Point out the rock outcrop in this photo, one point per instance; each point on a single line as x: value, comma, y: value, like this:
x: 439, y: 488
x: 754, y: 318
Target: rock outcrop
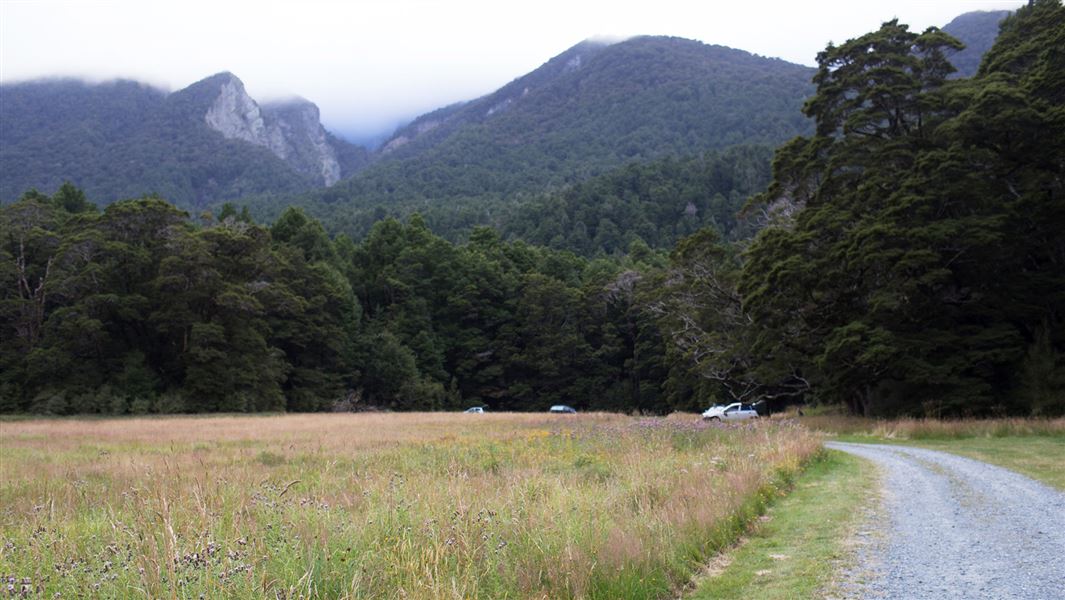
x: 291, y: 130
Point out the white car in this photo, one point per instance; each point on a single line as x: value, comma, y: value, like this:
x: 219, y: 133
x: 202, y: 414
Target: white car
x: 475, y: 410
x: 732, y: 412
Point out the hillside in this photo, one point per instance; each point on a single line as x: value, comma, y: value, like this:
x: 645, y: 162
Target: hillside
x: 200, y: 145
x: 593, y: 107
x: 657, y: 203
x: 977, y: 30
x: 585, y: 112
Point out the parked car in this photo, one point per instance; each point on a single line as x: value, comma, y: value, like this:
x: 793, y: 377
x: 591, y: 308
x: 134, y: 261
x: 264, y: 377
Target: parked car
x: 563, y: 409
x: 733, y: 412
x: 476, y: 410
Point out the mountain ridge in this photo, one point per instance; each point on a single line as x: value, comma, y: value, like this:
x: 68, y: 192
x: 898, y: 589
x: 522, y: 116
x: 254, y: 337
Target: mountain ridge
x: 594, y: 107
x: 199, y: 145
x: 585, y: 111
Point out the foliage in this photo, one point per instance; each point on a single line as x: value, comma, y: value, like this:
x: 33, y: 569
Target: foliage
x: 655, y: 204
x: 916, y: 256
x: 137, y: 309
x: 634, y: 207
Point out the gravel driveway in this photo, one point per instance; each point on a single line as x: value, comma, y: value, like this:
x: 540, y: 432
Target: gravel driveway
x: 952, y: 527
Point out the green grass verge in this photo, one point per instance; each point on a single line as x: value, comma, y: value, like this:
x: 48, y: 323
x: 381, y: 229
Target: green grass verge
x: 791, y: 554
x: 1039, y: 457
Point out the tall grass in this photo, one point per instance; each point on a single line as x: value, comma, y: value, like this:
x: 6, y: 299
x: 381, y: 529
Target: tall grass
x: 935, y: 429
x: 382, y: 506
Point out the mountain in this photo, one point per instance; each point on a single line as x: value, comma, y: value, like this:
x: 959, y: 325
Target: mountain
x: 587, y: 111
x: 592, y: 108
x: 977, y: 30
x: 200, y: 145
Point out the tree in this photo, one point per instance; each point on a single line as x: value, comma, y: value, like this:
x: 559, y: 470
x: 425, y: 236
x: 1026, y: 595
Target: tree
x: 899, y: 268
x: 699, y: 306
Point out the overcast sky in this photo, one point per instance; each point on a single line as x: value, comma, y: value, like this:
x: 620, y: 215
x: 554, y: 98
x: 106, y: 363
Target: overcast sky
x: 370, y: 64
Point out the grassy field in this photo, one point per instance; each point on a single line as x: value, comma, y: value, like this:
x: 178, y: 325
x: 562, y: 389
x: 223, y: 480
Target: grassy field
x: 1035, y: 447
x: 791, y: 553
x: 382, y: 506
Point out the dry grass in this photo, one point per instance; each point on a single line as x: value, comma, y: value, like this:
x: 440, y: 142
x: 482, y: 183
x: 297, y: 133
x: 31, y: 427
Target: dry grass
x: 1034, y: 447
x: 379, y: 505
x: 920, y: 429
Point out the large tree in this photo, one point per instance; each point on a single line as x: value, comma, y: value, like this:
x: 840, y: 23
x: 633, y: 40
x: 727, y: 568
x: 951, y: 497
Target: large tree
x: 912, y: 259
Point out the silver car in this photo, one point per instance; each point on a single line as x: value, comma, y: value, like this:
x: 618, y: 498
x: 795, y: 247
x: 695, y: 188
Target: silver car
x: 736, y: 411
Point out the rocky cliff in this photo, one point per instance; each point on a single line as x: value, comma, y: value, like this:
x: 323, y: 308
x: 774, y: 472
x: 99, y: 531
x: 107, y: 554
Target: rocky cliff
x: 291, y: 130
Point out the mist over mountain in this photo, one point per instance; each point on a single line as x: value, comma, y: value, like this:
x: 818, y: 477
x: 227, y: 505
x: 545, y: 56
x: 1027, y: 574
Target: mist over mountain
x: 200, y: 145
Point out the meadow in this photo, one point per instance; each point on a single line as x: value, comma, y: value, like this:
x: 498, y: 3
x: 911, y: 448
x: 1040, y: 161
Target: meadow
x: 381, y: 505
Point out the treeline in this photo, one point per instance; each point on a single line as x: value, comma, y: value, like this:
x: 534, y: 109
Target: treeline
x: 138, y: 309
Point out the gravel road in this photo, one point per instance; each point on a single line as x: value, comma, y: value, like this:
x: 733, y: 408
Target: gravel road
x: 952, y: 527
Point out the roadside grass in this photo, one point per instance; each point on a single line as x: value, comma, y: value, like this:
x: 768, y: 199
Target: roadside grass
x: 795, y: 551
x: 382, y: 506
x: 934, y: 429
x: 1034, y: 447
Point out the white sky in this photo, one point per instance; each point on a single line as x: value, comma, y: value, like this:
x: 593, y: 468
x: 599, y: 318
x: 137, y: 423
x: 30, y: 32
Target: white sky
x: 370, y: 64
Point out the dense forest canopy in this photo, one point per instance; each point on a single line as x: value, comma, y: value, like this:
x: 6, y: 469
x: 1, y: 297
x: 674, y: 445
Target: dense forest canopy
x: 654, y: 203
x: 138, y: 309
x: 906, y: 257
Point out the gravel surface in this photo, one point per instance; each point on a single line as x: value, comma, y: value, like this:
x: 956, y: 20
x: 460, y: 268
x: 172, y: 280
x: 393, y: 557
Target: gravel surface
x: 952, y: 527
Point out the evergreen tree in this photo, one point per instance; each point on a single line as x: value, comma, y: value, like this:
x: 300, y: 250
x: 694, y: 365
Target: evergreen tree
x: 906, y: 271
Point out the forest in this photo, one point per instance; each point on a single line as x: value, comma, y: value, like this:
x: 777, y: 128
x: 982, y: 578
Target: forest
x: 906, y: 258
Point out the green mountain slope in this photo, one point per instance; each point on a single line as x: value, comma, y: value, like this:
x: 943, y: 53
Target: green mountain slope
x: 584, y: 113
x: 124, y: 139
x: 656, y: 203
x: 977, y: 30
x: 590, y: 109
